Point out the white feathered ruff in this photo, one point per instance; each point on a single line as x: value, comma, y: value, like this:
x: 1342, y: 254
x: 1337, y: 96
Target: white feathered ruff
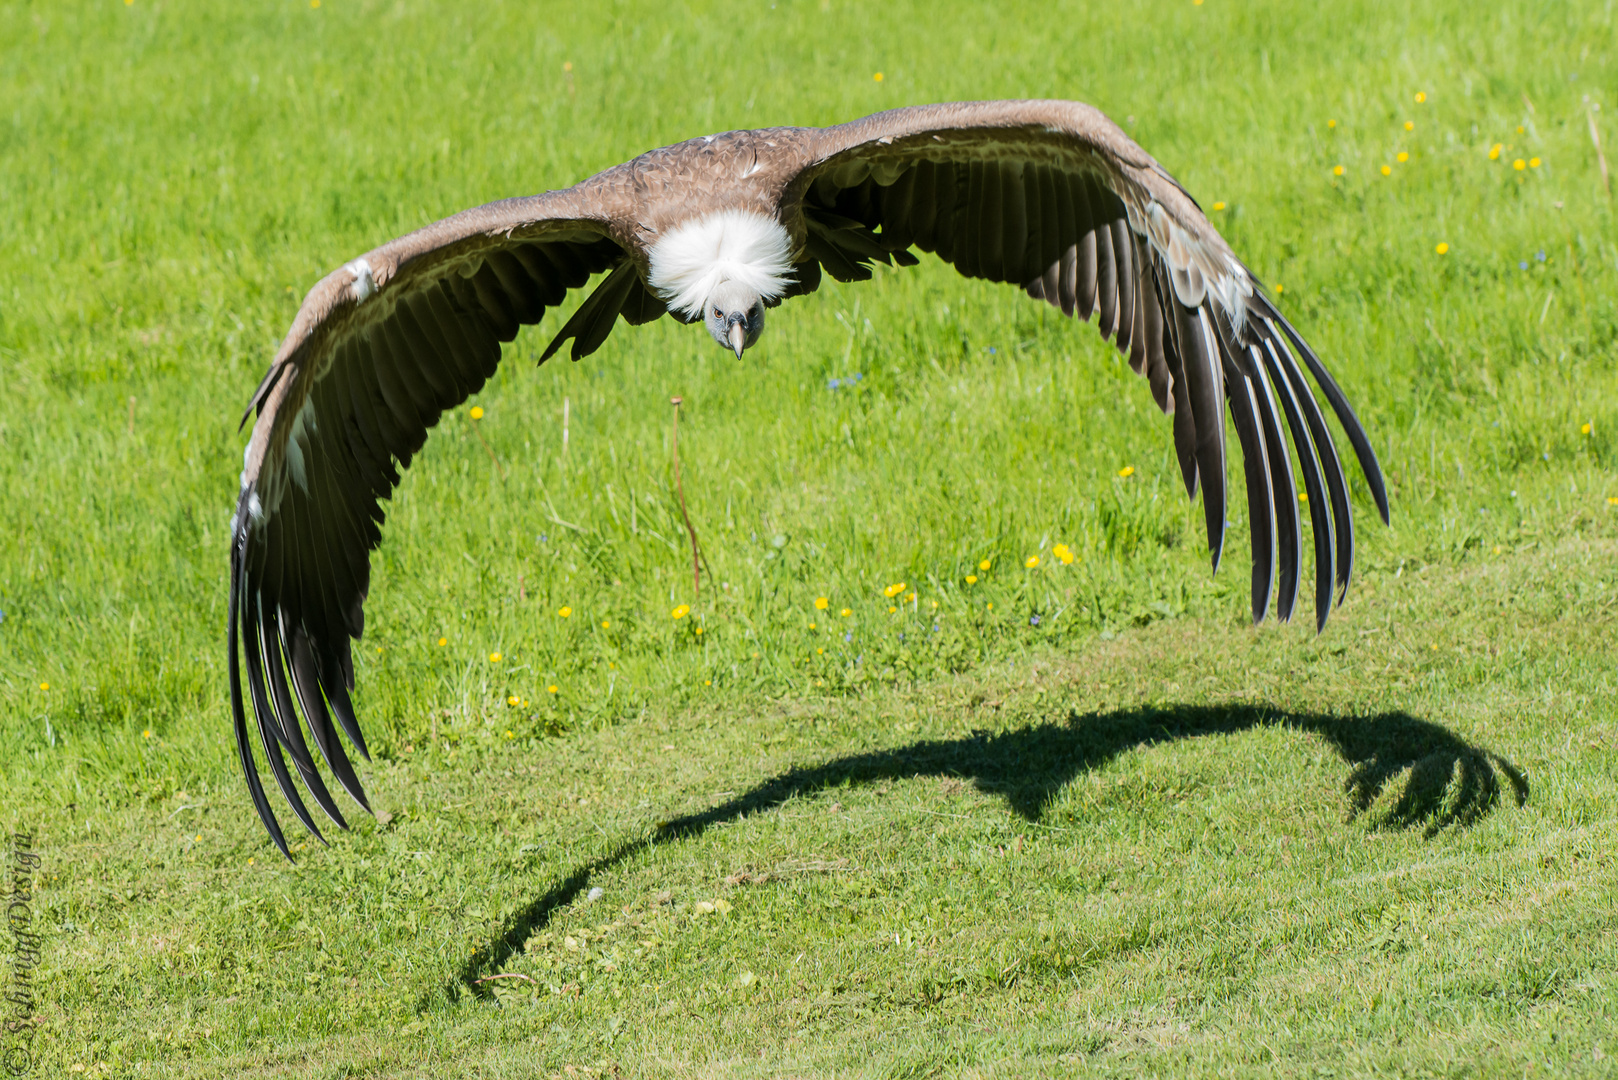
x: 731, y: 245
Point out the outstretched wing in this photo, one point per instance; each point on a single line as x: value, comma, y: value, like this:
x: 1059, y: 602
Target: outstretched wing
x: 1054, y: 197
x: 380, y: 348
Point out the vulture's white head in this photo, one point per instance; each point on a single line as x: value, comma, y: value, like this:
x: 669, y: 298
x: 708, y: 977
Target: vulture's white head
x: 734, y: 315
x: 723, y: 267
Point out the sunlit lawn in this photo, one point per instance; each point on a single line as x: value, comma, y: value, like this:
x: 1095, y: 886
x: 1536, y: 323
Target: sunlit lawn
x: 1026, y: 794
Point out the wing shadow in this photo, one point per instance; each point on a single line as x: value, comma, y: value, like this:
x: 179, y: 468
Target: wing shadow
x: 1447, y: 782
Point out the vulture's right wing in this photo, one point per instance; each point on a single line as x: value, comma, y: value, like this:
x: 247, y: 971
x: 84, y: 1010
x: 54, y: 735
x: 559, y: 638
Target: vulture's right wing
x: 380, y: 348
x: 1055, y: 198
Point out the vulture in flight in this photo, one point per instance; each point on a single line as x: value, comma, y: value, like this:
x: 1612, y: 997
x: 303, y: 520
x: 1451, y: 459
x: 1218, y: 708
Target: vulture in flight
x: 1049, y: 196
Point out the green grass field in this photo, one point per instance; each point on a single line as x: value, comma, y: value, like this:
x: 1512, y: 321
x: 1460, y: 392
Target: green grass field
x: 1139, y: 837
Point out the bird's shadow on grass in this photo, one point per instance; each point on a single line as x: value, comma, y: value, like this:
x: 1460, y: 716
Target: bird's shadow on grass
x: 1432, y: 778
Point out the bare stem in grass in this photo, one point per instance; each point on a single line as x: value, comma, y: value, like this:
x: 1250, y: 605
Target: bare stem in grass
x: 132, y: 397
x: 504, y: 975
x: 487, y: 448
x: 679, y: 489
x: 1601, y: 159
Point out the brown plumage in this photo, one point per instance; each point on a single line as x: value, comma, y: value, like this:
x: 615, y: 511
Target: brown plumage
x: 1050, y: 196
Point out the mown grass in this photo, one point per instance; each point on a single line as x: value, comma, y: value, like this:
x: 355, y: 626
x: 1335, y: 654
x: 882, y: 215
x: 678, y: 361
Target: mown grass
x: 1132, y: 836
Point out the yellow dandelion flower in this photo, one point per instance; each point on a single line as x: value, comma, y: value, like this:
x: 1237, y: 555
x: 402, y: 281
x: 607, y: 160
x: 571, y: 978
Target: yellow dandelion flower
x: 1331, y: 123
x: 44, y: 686
x: 1337, y: 170
x: 1279, y: 289
x: 1519, y: 164
x: 911, y: 599
x: 877, y: 77
x: 314, y: 3
x: 971, y: 579
x: 680, y: 612
x: 1494, y: 152
x: 984, y: 565
x: 1420, y: 97
x: 477, y: 412
x: 494, y: 658
x: 1585, y: 430
x: 509, y: 735
x: 1219, y: 206
x: 846, y: 612
x: 1303, y: 496
x: 820, y: 651
x: 699, y: 629
x: 512, y: 700
x: 891, y: 609
x: 1410, y: 125
x: 1533, y: 163
x: 1442, y: 249
x: 821, y: 603
x: 1387, y: 170
x: 147, y: 734
x: 1127, y: 471
x: 250, y: 860
x: 1402, y: 157
x: 606, y: 623
x: 1519, y: 129
x: 707, y: 682
x: 1031, y: 562
x: 551, y: 689
x: 1612, y: 500
x: 893, y: 590
x: 565, y: 612
x: 442, y: 642
x: 990, y: 605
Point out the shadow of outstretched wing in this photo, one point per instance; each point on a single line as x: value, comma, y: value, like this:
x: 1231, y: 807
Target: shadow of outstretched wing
x: 1445, y: 781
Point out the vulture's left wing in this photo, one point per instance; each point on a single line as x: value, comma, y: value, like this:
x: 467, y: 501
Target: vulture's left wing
x: 379, y: 349
x: 1055, y: 198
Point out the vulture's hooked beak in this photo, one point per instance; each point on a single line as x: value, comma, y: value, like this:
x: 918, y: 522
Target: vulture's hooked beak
x: 737, y: 336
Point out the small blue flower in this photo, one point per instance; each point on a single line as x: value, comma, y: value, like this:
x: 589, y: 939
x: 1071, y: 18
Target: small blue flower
x: 858, y: 376
x: 543, y: 538
x: 1540, y: 255
x: 849, y: 636
x: 1033, y: 620
x: 935, y: 628
x: 991, y: 350
x: 832, y: 384
x: 1523, y: 265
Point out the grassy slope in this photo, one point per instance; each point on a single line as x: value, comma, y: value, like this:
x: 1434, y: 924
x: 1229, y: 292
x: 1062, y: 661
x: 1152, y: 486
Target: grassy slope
x: 186, y: 172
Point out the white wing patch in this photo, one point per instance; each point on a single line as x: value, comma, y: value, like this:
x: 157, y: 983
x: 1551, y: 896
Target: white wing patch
x: 364, y: 286
x: 694, y: 259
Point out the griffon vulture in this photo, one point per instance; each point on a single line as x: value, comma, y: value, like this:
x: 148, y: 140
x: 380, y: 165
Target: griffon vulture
x: 1049, y: 196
